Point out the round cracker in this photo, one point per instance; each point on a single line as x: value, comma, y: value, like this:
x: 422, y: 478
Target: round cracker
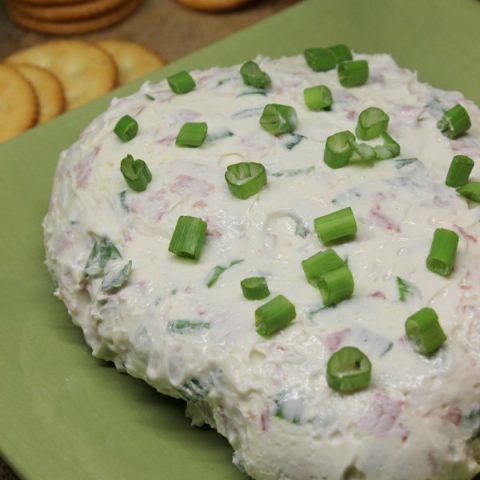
x: 75, y: 27
x: 214, y: 5
x: 84, y: 69
x: 66, y: 12
x: 49, y: 90
x: 18, y: 103
x: 133, y: 59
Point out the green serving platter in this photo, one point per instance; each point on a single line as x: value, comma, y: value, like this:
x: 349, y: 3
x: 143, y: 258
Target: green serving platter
x: 65, y: 415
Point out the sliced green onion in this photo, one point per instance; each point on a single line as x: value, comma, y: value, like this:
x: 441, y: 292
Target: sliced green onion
x: 389, y: 149
x: 278, y: 119
x: 245, y: 179
x: 443, y: 251
x: 192, y: 134
x: 188, y: 237
x: 403, y: 289
x: 338, y: 149
x: 455, y: 122
x: 319, y: 264
x: 424, y: 330
x: 459, y: 171
x: 254, y: 76
x: 336, y: 225
x: 126, y: 128
x: 186, y: 326
x: 342, y: 52
x: 181, y: 82
x: 320, y: 59
x: 113, y: 282
x: 102, y: 252
x: 217, y: 271
x: 274, y: 316
x: 348, y: 370
x: 372, y: 122
x: 255, y: 288
x: 471, y: 191
x: 318, y: 98
x: 336, y: 285
x: 362, y: 151
x: 353, y: 74
x: 136, y: 173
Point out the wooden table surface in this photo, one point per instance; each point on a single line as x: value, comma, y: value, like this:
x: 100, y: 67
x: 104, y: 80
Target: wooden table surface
x: 164, y: 25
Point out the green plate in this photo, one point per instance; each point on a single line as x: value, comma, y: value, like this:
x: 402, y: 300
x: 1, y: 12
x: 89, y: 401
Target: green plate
x: 65, y: 415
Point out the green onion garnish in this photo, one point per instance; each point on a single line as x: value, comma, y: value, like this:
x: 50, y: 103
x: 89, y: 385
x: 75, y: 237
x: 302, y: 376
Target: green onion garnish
x: 424, y: 330
x: 126, y: 128
x: 353, y: 73
x: 192, y: 134
x: 255, y: 288
x: 254, y: 76
x: 455, y: 122
x: 372, y: 122
x: 103, y: 250
x: 362, y: 151
x: 112, y: 283
x: 320, y: 59
x: 471, y: 191
x: 245, y: 179
x: 186, y: 326
x: 442, y: 252
x: 342, y: 52
x: 278, y: 119
x: 403, y: 289
x: 217, y: 271
x: 336, y: 285
x: 389, y: 149
x: 348, y: 370
x: 181, y: 82
x: 274, y: 316
x: 188, y: 237
x: 338, y: 149
x: 319, y: 264
x: 318, y: 98
x: 335, y: 226
x: 459, y: 171
x: 136, y: 173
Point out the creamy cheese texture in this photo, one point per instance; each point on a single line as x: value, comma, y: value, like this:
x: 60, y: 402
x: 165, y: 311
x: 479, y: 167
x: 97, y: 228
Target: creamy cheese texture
x: 420, y: 417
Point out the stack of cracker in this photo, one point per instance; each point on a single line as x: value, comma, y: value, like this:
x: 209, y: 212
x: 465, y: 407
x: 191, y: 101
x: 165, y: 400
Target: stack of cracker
x: 40, y: 82
x: 69, y: 17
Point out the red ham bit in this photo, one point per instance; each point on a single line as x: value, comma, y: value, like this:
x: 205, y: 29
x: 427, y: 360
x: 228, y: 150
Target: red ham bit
x: 453, y: 414
x: 83, y: 169
x: 382, y: 220
x: 199, y: 204
x: 184, y: 184
x: 378, y: 294
x: 382, y: 414
x: 467, y: 236
x: 264, y: 421
x: 335, y: 339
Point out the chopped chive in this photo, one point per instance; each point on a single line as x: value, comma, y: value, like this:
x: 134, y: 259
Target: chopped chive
x: 274, y: 315
x: 424, y: 330
x: 459, y: 171
x: 319, y: 264
x: 123, y: 201
x: 348, y: 370
x: 136, y: 173
x: 255, y: 288
x: 186, y: 326
x: 338, y: 149
x: 113, y: 282
x: 126, y: 128
x: 372, y: 122
x: 192, y: 134
x: 336, y: 285
x: 318, y: 98
x: 353, y: 73
x: 254, y: 76
x: 389, y: 149
x: 443, y: 251
x: 342, y: 52
x: 188, y: 237
x: 336, y: 225
x: 278, y: 119
x: 215, y: 273
x: 320, y: 59
x: 102, y: 252
x: 454, y: 122
x: 294, y: 172
x: 149, y: 97
x: 181, y: 82
x: 403, y: 289
x: 245, y: 179
x: 471, y: 191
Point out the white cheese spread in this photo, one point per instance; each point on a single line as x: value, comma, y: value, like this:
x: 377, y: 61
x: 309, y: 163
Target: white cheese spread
x: 420, y: 417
